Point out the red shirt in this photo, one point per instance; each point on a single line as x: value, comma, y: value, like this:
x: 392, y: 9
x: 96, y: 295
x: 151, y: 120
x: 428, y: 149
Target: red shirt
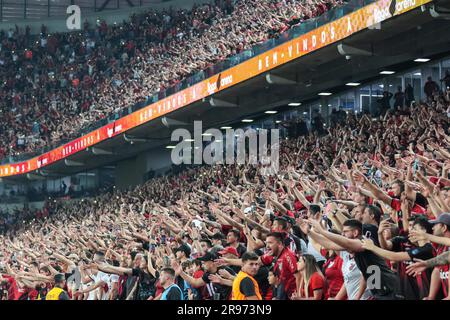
x: 11, y: 286
x: 298, y: 205
x: 33, y: 294
x: 396, y: 204
x: 286, y: 264
x: 417, y: 209
x: 315, y: 283
x: 443, y: 271
x: 159, y: 289
x: 333, y: 273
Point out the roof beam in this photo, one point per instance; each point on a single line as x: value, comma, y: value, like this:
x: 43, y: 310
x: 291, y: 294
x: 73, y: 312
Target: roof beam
x: 132, y: 139
x: 346, y: 50
x: 103, y: 6
x: 274, y: 79
x: 31, y: 176
x: 169, y: 122
x: 71, y: 163
x: 100, y: 152
x: 213, y: 102
x: 439, y: 12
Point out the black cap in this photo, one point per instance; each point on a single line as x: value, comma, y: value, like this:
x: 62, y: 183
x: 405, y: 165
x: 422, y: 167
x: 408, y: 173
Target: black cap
x: 285, y: 218
x: 59, y: 278
x: 208, y: 257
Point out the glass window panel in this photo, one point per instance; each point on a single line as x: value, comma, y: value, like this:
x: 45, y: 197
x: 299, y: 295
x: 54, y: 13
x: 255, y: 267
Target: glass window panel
x: 446, y: 72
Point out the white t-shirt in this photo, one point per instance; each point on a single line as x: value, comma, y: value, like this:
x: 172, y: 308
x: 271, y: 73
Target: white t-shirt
x: 98, y: 293
x: 112, y: 278
x: 352, y: 277
x: 311, y: 250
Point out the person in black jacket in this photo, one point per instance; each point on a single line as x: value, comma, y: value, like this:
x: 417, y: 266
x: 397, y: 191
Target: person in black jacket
x: 385, y: 101
x: 409, y: 95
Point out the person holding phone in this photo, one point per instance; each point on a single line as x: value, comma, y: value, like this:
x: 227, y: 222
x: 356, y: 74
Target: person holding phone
x: 403, y: 252
x: 371, y: 218
x: 387, y: 286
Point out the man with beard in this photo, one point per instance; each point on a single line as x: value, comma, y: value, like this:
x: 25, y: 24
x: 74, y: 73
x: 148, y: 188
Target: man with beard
x: 281, y: 258
x: 388, y: 287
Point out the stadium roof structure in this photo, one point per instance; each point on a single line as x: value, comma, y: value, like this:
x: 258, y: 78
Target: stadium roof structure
x: 14, y: 10
x: 277, y: 78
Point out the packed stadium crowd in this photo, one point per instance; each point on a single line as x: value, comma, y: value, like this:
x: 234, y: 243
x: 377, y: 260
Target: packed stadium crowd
x: 89, y: 75
x: 357, y: 210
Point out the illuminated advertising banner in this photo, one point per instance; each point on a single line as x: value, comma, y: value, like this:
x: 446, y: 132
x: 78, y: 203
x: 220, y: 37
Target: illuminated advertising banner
x: 327, y: 34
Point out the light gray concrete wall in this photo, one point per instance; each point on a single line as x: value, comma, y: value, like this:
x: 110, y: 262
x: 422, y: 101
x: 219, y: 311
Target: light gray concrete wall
x: 11, y: 206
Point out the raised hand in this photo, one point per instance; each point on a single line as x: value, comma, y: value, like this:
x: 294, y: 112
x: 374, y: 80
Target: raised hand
x: 416, y: 268
x: 225, y: 274
x: 214, y: 278
x: 416, y: 235
x: 303, y: 224
x: 315, y: 224
x: 368, y: 244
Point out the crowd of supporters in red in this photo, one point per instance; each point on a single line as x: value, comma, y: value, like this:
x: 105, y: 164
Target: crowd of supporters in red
x: 89, y: 75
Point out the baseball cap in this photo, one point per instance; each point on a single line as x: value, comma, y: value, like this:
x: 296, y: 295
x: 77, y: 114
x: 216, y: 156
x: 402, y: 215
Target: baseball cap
x: 230, y: 250
x: 59, y: 278
x: 208, y: 257
x: 288, y: 219
x: 443, y: 218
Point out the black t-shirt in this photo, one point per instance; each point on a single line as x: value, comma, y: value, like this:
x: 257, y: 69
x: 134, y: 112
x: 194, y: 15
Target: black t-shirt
x: 293, y: 242
x: 174, y: 294
x: 278, y: 292
x: 236, y: 269
x: 241, y: 249
x: 413, y: 288
x: 179, y: 281
x: 372, y: 265
x: 146, y: 245
x: 421, y: 200
x: 127, y: 284
x: 262, y: 277
x: 146, y: 284
x: 371, y: 231
x: 212, y: 288
x: 247, y: 287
